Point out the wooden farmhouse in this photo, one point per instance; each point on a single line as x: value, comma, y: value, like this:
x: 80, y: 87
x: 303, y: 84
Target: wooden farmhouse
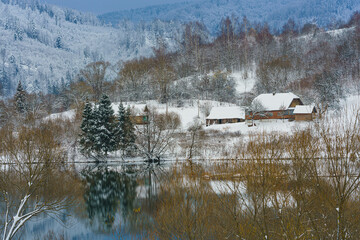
x: 222, y: 115
x: 273, y: 106
x: 305, y: 112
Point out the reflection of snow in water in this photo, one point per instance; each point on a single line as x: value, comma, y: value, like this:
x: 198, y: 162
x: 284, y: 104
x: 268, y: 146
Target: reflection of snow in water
x: 279, y: 201
x: 117, y: 201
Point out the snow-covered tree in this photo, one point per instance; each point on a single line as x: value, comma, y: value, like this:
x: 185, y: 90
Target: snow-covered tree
x: 130, y: 137
x: 88, y: 130
x: 125, y: 131
x: 328, y: 89
x: 58, y: 42
x: 20, y: 99
x: 119, y: 132
x: 104, y: 140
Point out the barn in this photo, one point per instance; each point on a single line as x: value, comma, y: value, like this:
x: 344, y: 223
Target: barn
x: 222, y: 115
x: 273, y: 106
x: 305, y: 113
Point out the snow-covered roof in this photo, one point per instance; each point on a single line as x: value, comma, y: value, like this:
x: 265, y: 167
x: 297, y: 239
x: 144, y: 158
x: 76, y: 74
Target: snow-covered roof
x: 304, y: 109
x: 275, y: 101
x: 226, y: 113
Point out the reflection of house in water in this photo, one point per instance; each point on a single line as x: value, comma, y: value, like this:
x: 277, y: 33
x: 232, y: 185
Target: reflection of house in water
x: 222, y: 115
x: 275, y: 106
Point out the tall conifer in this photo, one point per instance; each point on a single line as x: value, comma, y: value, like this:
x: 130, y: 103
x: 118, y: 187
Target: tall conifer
x: 120, y: 127
x: 105, y: 125
x: 20, y: 99
x: 125, y: 131
x: 88, y: 130
x: 129, y: 138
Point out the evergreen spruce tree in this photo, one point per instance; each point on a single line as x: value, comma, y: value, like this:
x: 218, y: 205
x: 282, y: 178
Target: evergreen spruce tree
x: 120, y: 127
x: 125, y: 131
x: 20, y: 99
x: 88, y: 130
x: 104, y: 139
x: 129, y: 130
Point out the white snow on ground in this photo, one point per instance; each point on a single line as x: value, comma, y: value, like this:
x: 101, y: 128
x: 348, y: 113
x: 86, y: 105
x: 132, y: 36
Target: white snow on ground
x: 351, y: 102
x: 244, y: 84
x: 190, y: 111
x: 339, y: 32
x: 68, y: 115
x: 187, y: 114
x: 261, y: 126
x: 349, y: 108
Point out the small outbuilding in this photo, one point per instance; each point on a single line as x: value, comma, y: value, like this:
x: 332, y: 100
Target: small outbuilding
x: 305, y: 112
x: 222, y: 115
x: 139, y: 119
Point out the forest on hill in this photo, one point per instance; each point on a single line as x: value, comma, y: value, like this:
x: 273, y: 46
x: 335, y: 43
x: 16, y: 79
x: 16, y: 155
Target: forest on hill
x: 320, y: 66
x: 274, y: 12
x: 46, y: 46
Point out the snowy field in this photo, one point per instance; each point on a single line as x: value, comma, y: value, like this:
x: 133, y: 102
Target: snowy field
x: 244, y: 84
x: 196, y: 109
x: 67, y: 115
x: 283, y: 126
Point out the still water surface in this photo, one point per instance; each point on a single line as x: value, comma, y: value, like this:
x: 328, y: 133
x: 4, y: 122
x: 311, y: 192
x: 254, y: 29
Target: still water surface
x: 116, y: 201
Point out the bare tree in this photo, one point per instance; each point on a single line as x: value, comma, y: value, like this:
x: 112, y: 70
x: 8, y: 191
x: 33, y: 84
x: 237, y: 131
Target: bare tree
x: 196, y: 138
x: 256, y: 110
x: 32, y: 159
x: 133, y: 79
x: 156, y: 135
x: 340, y: 144
x: 35, y: 108
x: 78, y: 93
x: 163, y: 72
x: 94, y: 74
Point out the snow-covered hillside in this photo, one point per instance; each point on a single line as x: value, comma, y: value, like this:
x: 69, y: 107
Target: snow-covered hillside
x: 45, y: 50
x: 245, y: 81
x: 275, y: 12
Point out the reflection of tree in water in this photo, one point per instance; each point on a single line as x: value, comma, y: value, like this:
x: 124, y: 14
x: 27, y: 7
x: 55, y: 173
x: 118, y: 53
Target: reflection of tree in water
x: 122, y: 200
x: 106, y: 190
x: 128, y: 192
x: 152, y: 178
